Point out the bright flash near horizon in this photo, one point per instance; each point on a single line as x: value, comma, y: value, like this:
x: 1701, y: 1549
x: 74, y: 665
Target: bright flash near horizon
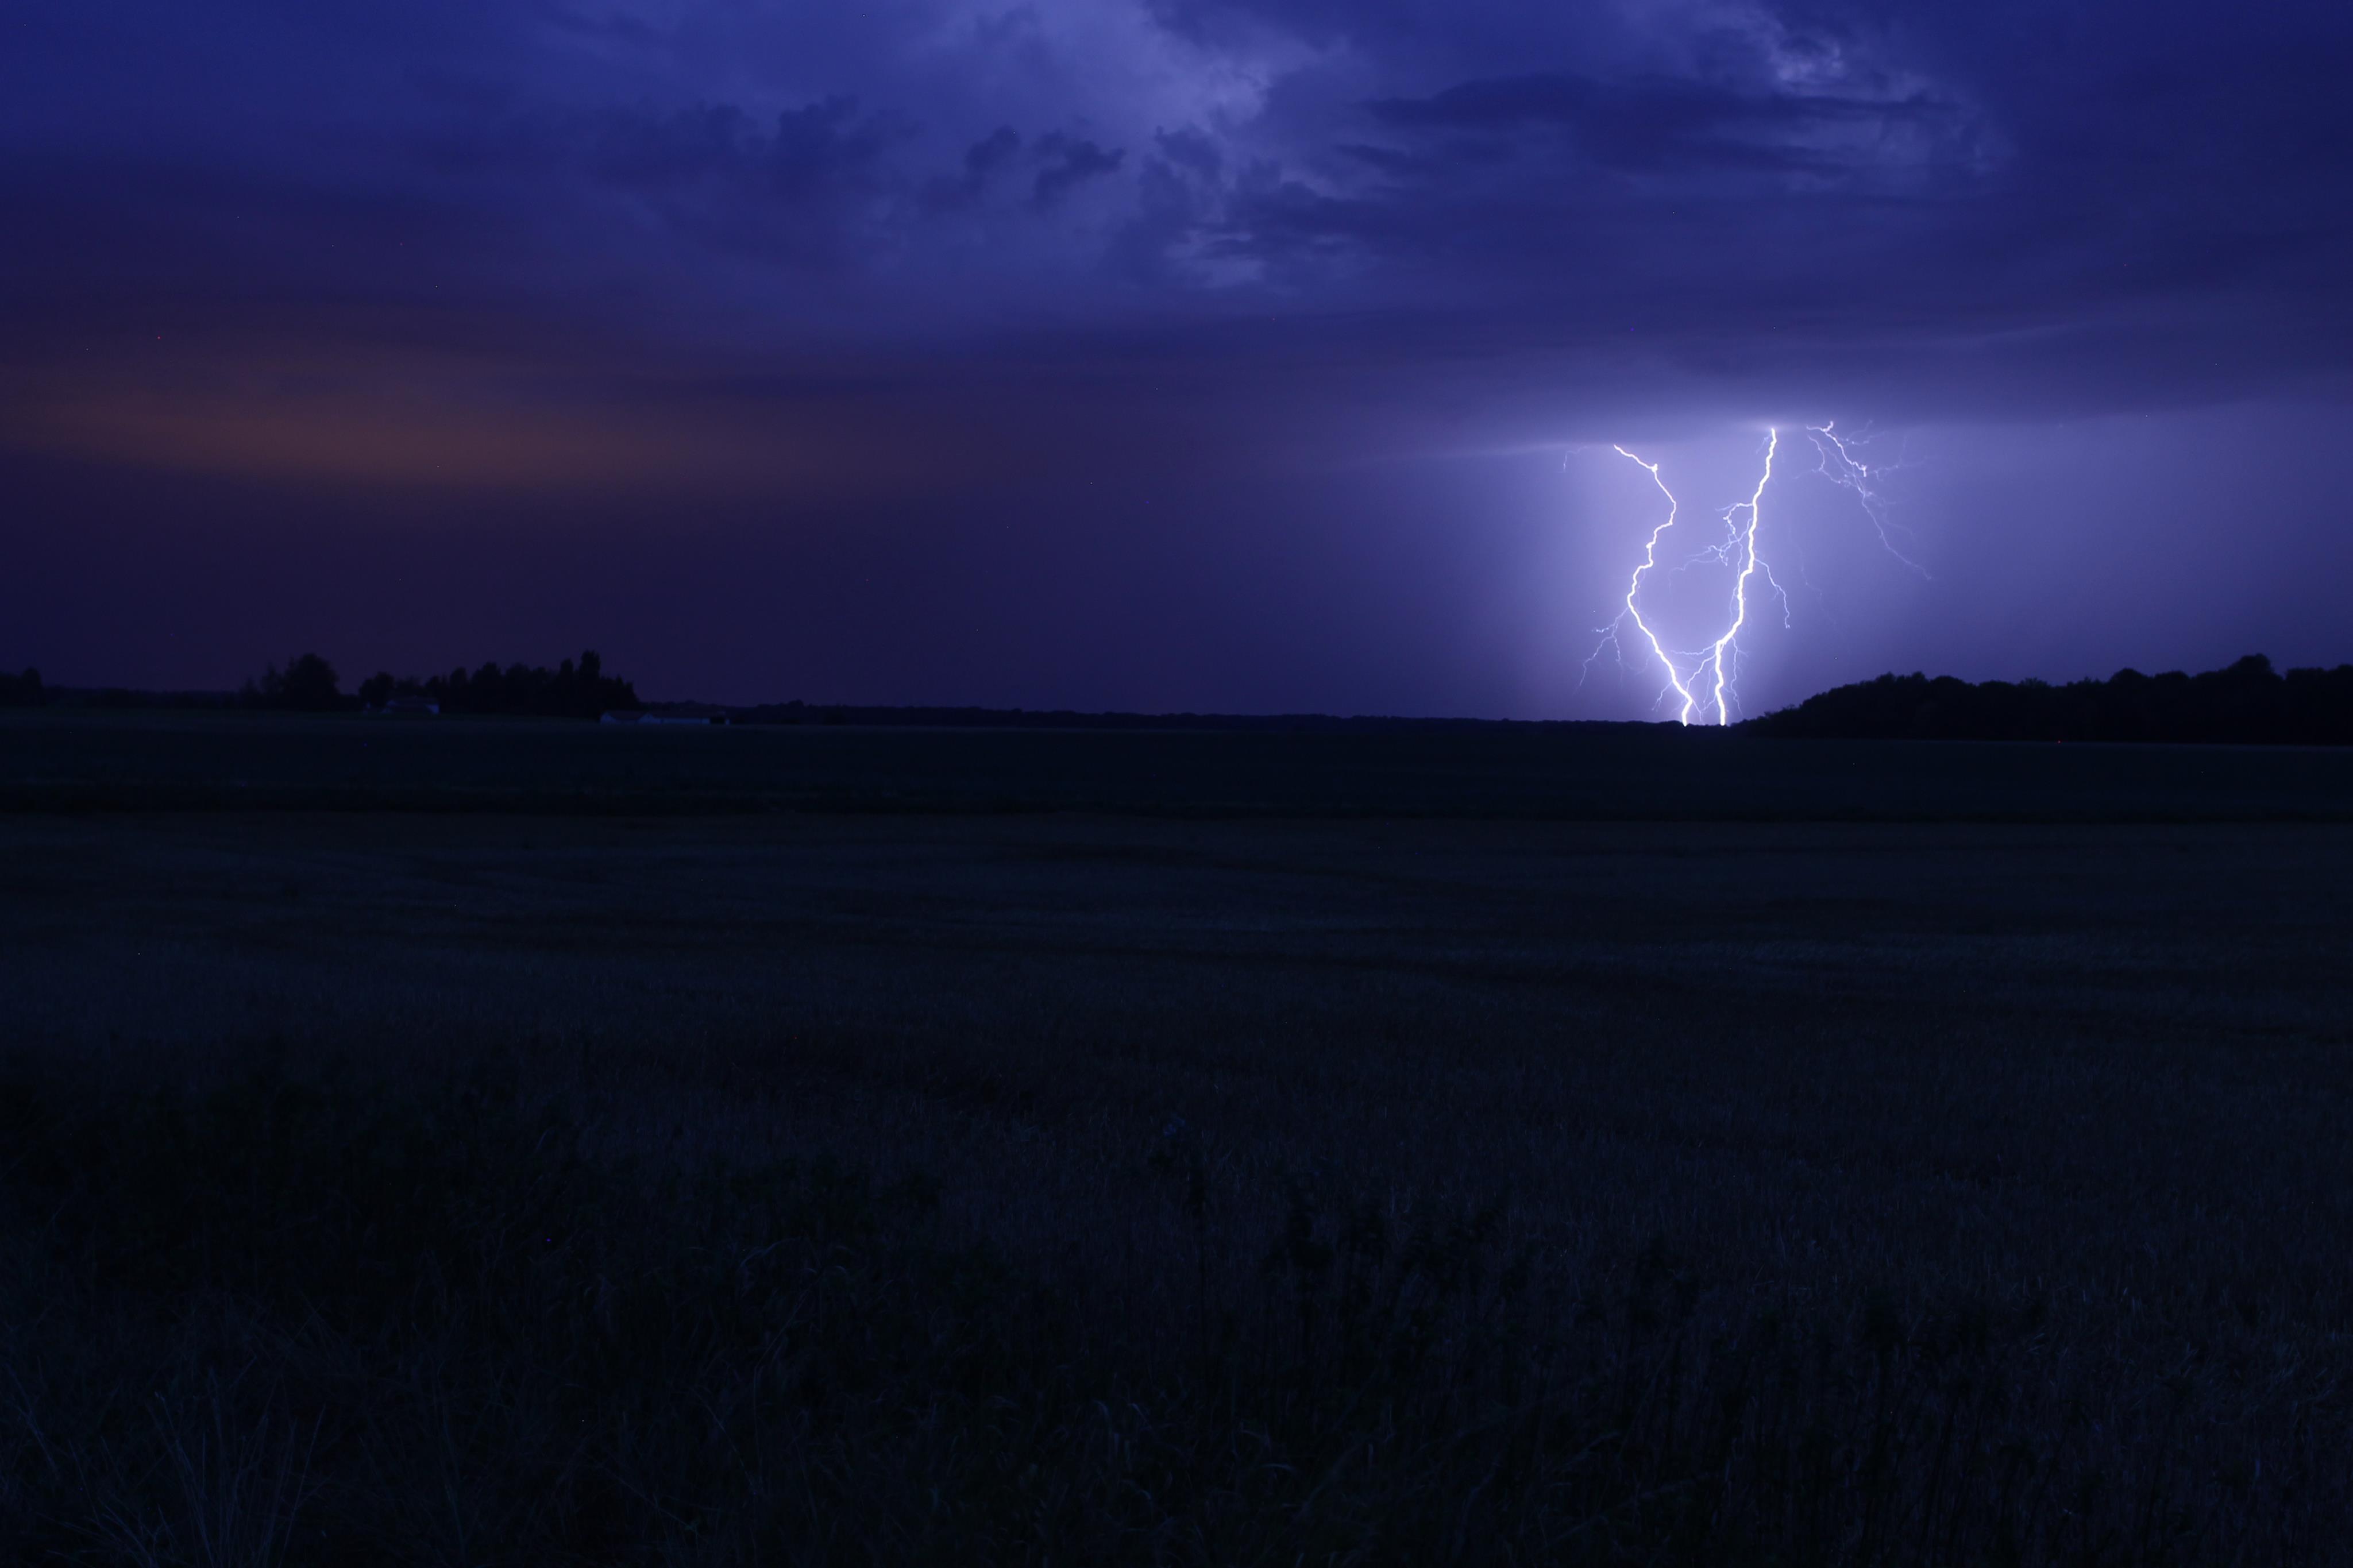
x: 1705, y: 679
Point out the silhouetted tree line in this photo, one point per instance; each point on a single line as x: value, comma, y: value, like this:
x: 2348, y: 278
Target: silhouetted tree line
x: 581, y: 690
x: 570, y: 690
x: 2247, y: 703
x: 21, y: 691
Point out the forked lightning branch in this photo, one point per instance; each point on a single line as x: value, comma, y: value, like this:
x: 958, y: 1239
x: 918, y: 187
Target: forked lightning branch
x: 1703, y: 683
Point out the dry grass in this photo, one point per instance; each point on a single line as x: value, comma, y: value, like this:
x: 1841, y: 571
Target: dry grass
x: 461, y: 1189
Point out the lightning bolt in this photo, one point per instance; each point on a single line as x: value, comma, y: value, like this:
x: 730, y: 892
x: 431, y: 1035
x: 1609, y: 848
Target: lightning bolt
x: 1708, y: 677
x: 1843, y: 468
x: 1718, y: 664
x: 1726, y: 650
x: 1634, y: 587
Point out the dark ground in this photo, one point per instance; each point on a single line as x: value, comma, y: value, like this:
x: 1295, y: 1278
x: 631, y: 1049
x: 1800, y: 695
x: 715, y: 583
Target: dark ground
x: 52, y: 760
x: 1180, y: 1148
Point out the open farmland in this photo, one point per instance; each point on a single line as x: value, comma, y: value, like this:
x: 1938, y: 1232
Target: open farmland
x: 522, y: 1142
x: 61, y: 760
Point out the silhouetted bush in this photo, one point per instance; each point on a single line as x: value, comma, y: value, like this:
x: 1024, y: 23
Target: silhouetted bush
x: 2246, y: 703
x: 21, y: 691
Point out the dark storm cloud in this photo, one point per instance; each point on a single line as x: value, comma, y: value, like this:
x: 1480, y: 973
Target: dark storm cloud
x: 1070, y: 162
x: 800, y: 186
x: 981, y: 160
x: 802, y: 153
x: 1667, y: 125
x: 1227, y: 200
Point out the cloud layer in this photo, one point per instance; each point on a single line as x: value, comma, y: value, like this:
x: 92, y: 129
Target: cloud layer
x: 1531, y: 208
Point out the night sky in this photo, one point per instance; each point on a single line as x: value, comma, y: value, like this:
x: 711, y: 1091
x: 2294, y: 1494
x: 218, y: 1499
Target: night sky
x: 1217, y: 354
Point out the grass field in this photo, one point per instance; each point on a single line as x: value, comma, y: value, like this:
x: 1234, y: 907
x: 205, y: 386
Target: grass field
x: 842, y: 1146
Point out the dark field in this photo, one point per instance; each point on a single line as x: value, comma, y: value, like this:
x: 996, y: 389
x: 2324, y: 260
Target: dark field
x: 51, y: 760
x: 841, y: 1146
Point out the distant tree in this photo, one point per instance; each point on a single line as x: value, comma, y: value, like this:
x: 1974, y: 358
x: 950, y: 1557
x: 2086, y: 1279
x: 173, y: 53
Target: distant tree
x: 378, y: 688
x: 307, y: 685
x: 22, y: 691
